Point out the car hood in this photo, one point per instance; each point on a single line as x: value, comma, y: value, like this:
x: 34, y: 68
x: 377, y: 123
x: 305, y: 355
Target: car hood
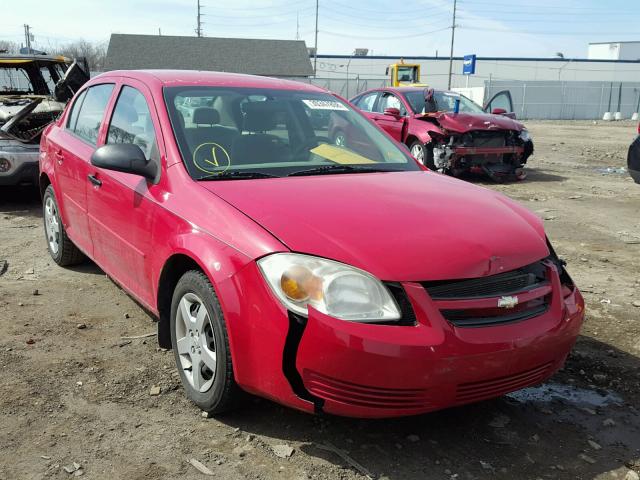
x: 400, y: 226
x: 464, y: 122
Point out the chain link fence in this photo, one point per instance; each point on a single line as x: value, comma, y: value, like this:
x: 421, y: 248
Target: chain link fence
x: 539, y: 100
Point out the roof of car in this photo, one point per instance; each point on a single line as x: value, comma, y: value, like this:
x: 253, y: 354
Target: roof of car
x: 18, y: 59
x: 172, y: 78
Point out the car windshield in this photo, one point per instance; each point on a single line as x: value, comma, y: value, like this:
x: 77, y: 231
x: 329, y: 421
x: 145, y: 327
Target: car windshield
x: 236, y: 133
x: 445, y: 102
x: 26, y: 77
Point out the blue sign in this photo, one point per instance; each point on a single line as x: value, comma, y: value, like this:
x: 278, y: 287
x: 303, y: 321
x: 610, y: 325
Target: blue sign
x: 469, y: 65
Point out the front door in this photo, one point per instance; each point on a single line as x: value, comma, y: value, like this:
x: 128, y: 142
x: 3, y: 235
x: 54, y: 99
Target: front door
x: 392, y: 123
x: 122, y: 205
x: 501, y: 102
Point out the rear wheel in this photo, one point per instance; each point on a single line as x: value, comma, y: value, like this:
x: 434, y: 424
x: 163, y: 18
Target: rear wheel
x: 201, y: 345
x: 339, y: 140
x: 61, y: 248
x: 423, y: 153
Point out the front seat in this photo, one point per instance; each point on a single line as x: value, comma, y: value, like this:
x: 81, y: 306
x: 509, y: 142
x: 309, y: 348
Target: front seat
x: 208, y: 129
x: 255, y: 145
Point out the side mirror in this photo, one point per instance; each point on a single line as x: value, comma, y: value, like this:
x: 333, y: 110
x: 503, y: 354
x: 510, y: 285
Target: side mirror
x: 392, y: 111
x: 498, y: 111
x: 124, y: 157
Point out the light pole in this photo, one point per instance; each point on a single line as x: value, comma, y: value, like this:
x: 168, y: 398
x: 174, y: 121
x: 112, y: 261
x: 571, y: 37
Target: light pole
x: 315, y: 47
x: 453, y: 35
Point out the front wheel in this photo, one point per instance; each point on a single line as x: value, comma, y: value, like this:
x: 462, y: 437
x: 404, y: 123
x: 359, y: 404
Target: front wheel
x: 423, y: 154
x: 201, y: 346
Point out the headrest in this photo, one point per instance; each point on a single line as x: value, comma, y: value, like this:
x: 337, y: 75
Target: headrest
x: 125, y: 113
x: 206, y: 116
x: 260, y: 116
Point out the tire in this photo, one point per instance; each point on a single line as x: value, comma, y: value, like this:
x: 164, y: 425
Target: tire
x: 202, y: 339
x: 423, y: 154
x: 61, y: 248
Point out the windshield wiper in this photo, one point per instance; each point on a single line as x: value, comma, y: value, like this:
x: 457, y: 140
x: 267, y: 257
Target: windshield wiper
x: 237, y: 175
x: 330, y: 169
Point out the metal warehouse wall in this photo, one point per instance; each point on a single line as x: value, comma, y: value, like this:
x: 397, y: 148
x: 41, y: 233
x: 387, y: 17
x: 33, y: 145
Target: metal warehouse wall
x: 435, y: 70
x: 568, y: 100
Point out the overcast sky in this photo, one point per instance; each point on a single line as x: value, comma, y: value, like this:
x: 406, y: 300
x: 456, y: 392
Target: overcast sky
x: 528, y: 28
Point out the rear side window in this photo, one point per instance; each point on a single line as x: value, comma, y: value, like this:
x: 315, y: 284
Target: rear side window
x: 86, y: 123
x: 367, y: 101
x: 131, y: 122
x: 75, y: 109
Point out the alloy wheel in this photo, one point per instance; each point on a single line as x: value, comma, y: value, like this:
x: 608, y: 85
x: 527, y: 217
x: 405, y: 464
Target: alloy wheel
x: 196, y: 342
x: 52, y: 225
x: 340, y: 140
x: 417, y: 151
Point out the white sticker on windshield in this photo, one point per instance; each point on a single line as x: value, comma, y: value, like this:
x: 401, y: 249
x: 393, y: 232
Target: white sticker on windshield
x: 325, y: 105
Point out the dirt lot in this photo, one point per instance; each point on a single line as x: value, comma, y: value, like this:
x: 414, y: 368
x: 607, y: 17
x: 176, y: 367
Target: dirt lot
x: 72, y: 389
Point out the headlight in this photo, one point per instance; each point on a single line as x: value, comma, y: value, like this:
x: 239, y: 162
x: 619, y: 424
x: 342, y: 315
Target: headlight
x: 330, y: 287
x: 524, y: 135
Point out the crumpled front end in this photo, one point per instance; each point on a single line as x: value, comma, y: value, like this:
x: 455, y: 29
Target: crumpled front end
x: 501, y: 154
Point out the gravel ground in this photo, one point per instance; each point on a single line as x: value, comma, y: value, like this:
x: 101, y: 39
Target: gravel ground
x: 72, y: 389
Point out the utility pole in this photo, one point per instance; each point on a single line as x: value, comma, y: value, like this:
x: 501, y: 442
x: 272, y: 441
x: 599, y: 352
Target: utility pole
x: 27, y: 37
x: 453, y: 36
x: 297, y: 25
x: 199, y: 22
x: 315, y: 48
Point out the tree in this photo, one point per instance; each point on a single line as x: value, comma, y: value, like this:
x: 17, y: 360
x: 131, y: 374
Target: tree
x: 94, y: 53
x: 8, y: 47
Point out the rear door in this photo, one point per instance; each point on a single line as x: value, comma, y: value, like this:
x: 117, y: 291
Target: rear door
x: 122, y: 205
x: 502, y: 101
x: 392, y: 124
x: 72, y: 146
x: 366, y: 102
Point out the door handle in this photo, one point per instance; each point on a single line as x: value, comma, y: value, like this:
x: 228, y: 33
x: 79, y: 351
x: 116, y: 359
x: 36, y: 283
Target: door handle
x: 59, y: 156
x: 93, y: 179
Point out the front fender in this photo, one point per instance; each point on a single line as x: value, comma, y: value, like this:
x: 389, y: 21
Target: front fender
x: 423, y: 130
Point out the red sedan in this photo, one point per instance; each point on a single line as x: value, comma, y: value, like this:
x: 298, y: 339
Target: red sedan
x: 449, y: 133
x: 350, y: 281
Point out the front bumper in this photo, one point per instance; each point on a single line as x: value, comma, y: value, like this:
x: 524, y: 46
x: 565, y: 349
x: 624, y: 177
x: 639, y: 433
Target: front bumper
x: 23, y: 160
x: 363, y: 370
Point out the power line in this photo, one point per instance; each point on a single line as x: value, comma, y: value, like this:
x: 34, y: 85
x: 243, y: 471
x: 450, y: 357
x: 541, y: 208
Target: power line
x: 385, y: 37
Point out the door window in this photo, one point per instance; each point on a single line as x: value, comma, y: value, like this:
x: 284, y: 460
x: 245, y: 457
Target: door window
x: 501, y: 100
x: 75, y: 109
x: 389, y: 100
x: 131, y: 123
x: 367, y: 101
x: 87, y: 123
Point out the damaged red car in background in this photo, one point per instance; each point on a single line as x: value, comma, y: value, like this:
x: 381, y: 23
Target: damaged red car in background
x: 34, y: 90
x: 448, y: 132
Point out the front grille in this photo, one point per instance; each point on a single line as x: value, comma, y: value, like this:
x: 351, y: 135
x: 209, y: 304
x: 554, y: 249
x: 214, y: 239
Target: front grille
x: 365, y: 395
x: 475, y: 391
x: 487, y: 139
x: 508, y: 283
x: 471, y: 318
x: 477, y: 302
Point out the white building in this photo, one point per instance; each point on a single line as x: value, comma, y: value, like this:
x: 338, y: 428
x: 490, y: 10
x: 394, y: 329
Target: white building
x: 614, y: 51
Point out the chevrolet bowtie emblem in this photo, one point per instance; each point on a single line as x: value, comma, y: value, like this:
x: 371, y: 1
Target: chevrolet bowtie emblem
x: 507, y: 302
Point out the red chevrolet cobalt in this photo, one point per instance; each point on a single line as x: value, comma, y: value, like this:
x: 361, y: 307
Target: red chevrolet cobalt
x: 344, y: 279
